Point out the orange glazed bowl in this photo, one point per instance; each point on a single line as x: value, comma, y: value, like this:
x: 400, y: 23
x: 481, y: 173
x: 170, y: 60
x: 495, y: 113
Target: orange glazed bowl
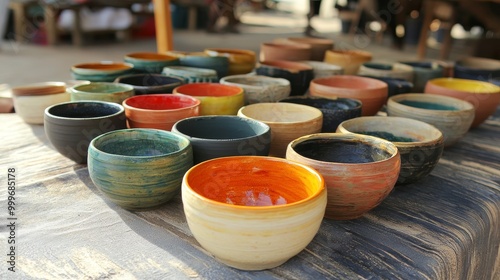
x: 359, y: 170
x: 216, y: 99
x: 253, y: 212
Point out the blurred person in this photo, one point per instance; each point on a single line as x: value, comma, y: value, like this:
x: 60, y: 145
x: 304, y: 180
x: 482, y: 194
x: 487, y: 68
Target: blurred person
x: 222, y: 8
x: 314, y: 7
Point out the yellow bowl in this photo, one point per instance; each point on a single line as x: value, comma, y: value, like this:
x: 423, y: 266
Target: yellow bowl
x: 216, y: 99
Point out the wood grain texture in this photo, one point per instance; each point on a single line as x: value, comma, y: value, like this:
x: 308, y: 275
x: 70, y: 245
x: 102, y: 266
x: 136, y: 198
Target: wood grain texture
x: 446, y: 226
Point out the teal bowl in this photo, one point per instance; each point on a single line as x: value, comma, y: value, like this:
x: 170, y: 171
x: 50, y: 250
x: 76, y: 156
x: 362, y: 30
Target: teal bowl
x: 218, y: 63
x: 150, y: 62
x: 102, y: 91
x: 139, y: 169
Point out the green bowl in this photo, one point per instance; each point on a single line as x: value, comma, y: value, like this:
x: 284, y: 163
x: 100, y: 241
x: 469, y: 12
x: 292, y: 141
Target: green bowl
x: 102, y: 91
x: 139, y: 169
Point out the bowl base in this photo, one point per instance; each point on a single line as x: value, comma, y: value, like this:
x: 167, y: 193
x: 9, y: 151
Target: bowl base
x: 251, y: 266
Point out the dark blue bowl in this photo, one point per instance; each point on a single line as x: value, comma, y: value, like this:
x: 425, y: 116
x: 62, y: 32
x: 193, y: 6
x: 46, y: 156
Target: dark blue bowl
x: 395, y: 86
x: 298, y: 74
x: 466, y: 72
x: 150, y: 83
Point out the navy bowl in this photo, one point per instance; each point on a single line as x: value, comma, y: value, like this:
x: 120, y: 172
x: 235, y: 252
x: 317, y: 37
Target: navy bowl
x: 395, y: 86
x: 150, y: 83
x: 298, y: 74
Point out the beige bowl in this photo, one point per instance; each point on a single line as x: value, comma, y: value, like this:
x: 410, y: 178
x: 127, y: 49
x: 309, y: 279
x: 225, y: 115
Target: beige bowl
x: 287, y: 121
x: 350, y: 60
x: 258, y: 88
x: 32, y: 108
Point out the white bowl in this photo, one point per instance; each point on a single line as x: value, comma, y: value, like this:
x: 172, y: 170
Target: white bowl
x: 31, y: 108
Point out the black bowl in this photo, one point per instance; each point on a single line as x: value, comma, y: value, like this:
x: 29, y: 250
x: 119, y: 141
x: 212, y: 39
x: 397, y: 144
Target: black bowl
x: 150, y: 83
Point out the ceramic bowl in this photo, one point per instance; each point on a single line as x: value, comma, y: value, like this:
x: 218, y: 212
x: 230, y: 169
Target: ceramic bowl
x: 221, y: 136
x: 252, y: 212
x: 298, y: 74
x: 371, y: 92
x: 43, y: 88
x: 318, y: 46
x: 216, y: 99
x: 103, y: 71
x: 323, y: 69
x: 359, y: 170
x: 424, y: 71
x: 483, y: 95
x: 395, y: 86
x: 349, y: 60
x: 271, y: 51
x: 31, y: 108
x: 70, y: 126
x: 334, y: 111
x: 477, y: 68
x: 258, y: 88
x: 139, y: 169
x: 218, y: 63
x: 191, y: 74
x: 150, y: 62
x: 286, y: 120
x: 150, y: 83
x: 159, y: 111
x: 240, y: 61
x: 389, y: 70
x: 420, y: 144
x: 103, y: 91
x: 452, y: 116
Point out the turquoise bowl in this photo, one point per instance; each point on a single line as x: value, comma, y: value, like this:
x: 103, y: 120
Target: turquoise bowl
x: 102, y: 91
x: 150, y: 62
x: 218, y: 63
x: 139, y: 169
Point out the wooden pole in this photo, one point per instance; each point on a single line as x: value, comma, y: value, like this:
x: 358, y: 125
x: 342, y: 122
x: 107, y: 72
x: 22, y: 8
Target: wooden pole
x: 163, y: 25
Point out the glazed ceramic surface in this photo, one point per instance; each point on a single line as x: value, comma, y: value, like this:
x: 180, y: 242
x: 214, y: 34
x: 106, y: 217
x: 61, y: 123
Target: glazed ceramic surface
x: 318, y: 46
x: 150, y: 83
x: 253, y: 213
x: 323, y: 69
x: 104, y: 71
x: 139, y: 169
x: 484, y: 96
x: 477, y: 68
x: 221, y: 136
x: 349, y: 60
x: 191, y: 74
x: 286, y: 120
x: 298, y: 74
x: 44, y: 88
x: 371, y: 92
x: 160, y: 111
x: 334, y: 111
x: 271, y: 51
x: 452, y: 116
x: 218, y: 63
x: 394, y: 86
x: 423, y: 72
x: 70, y: 126
x: 389, y: 70
x: 102, y: 91
x: 420, y: 145
x: 150, y: 62
x: 359, y: 171
x: 240, y: 61
x: 258, y: 88
x: 31, y: 108
x: 216, y: 99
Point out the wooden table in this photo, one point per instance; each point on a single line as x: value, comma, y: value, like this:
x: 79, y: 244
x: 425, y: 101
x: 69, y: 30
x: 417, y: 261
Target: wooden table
x: 445, y: 227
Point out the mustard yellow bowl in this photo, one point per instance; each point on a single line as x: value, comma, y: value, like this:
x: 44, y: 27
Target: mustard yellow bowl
x: 216, y: 99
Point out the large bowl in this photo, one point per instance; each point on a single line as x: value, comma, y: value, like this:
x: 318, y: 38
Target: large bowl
x: 349, y: 60
x: 139, y: 169
x: 240, y: 61
x: 102, y: 91
x: 483, y: 95
x: 222, y: 136
x: 31, y: 108
x: 216, y: 99
x: 251, y: 212
x: 286, y: 120
x: 452, y: 116
x: 150, y: 62
x: 298, y: 74
x: 258, y: 88
x: 334, y: 111
x: 160, y: 111
x: 420, y: 144
x: 359, y: 170
x: 70, y: 126
x: 371, y: 92
x: 150, y: 83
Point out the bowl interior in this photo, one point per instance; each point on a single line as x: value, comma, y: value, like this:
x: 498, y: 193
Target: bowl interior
x: 148, y: 80
x: 208, y: 89
x: 281, y: 112
x: 254, y: 181
x: 105, y: 66
x: 465, y: 85
x: 161, y: 102
x: 103, y: 88
x: 140, y: 143
x: 220, y: 127
x: 84, y: 110
x: 431, y: 102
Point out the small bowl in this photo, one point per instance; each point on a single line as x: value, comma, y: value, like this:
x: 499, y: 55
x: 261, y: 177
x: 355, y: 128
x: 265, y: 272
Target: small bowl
x: 31, y: 108
x: 150, y: 83
x: 349, y: 60
x: 483, y: 95
x: 104, y: 71
x: 334, y: 111
x: 150, y: 62
x: 420, y: 144
x: 388, y: 70
x: 271, y: 51
x: 371, y: 92
x: 452, y: 116
x: 261, y: 211
x: 216, y: 99
x: 240, y: 61
x: 102, y: 91
x: 286, y: 120
x: 70, y: 126
x: 44, y: 88
x: 258, y: 88
x: 298, y: 74
x: 222, y: 136
x: 191, y: 74
x: 323, y: 69
x: 139, y: 169
x: 359, y: 170
x: 159, y: 111
x: 423, y: 72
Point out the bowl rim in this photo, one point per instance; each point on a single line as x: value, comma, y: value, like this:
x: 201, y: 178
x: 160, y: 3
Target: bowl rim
x: 181, y: 140
x: 376, y: 83
x: 337, y: 135
x: 274, y: 81
x: 86, y: 67
x: 318, y: 112
x: 124, y: 88
x: 310, y: 170
x: 344, y: 100
x: 267, y: 128
x: 160, y: 57
x: 396, y: 101
x: 54, y: 87
x: 112, y: 104
x: 197, y: 102
x: 489, y: 88
x: 119, y: 79
x: 240, y: 90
